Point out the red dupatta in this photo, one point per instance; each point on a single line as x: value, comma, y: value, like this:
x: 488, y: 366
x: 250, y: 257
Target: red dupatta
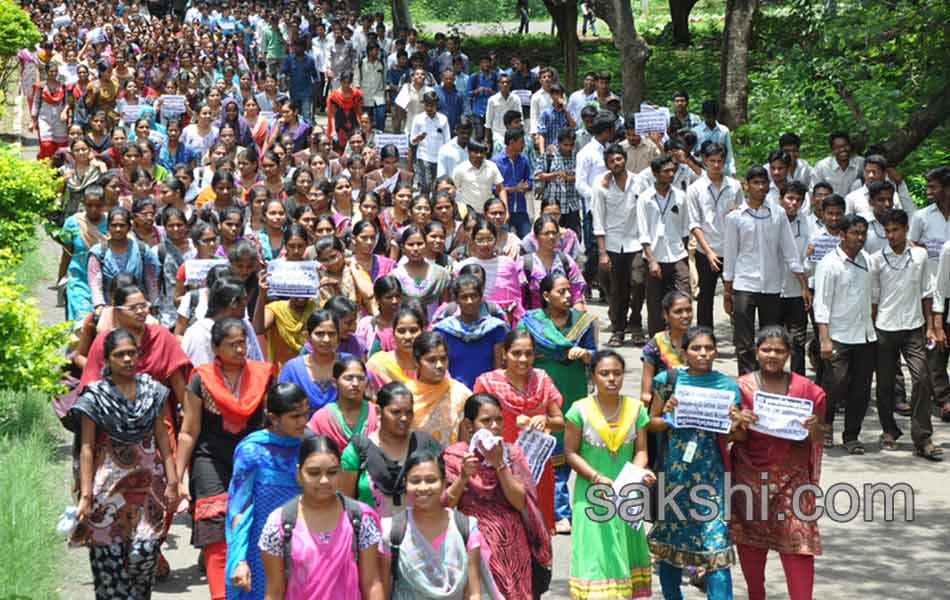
x: 235, y: 411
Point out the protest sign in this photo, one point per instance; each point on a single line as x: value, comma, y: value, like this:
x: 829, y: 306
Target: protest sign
x: 523, y: 95
x: 62, y: 21
x: 96, y: 36
x: 823, y: 244
x: 934, y: 247
x: 70, y: 73
x: 399, y: 140
x: 703, y: 408
x: 630, y: 512
x: 538, y: 448
x: 172, y: 106
x: 781, y: 416
x: 293, y: 279
x: 403, y: 97
x: 131, y: 112
x: 196, y: 269
x: 650, y: 122
x: 157, y: 137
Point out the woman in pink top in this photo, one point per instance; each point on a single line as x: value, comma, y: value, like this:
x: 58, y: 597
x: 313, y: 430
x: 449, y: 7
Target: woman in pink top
x: 505, y: 280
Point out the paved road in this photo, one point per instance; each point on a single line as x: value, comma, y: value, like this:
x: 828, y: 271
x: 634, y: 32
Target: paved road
x: 863, y: 559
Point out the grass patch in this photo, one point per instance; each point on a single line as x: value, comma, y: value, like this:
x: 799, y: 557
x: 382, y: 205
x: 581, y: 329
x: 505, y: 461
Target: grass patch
x: 35, y: 266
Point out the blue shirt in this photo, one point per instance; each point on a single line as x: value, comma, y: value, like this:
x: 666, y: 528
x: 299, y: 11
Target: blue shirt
x: 183, y: 154
x: 451, y: 105
x: 551, y: 123
x: 468, y: 360
x: 302, y: 72
x: 480, y: 101
x: 513, y: 172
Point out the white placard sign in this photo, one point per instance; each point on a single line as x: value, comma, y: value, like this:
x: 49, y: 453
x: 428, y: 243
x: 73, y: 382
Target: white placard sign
x: 157, y: 137
x: 196, y: 269
x: 131, y: 112
x: 631, y: 513
x: 403, y: 98
x: 62, y: 21
x: 650, y: 122
x: 399, y: 140
x: 96, y: 36
x: 523, y: 95
x: 69, y: 73
x: 823, y: 245
x: 293, y: 279
x: 538, y: 448
x: 781, y: 416
x: 172, y: 105
x: 934, y: 247
x: 703, y: 408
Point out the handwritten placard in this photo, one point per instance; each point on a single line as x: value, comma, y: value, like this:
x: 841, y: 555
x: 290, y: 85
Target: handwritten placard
x: 538, y: 448
x: 822, y: 245
x: 157, y: 137
x: 934, y: 247
x: 96, y: 36
x: 523, y: 95
x: 293, y: 279
x: 650, y: 122
x: 403, y: 98
x: 781, y: 416
x: 399, y: 140
x: 703, y: 408
x: 131, y: 112
x: 172, y: 105
x: 630, y: 512
x: 62, y: 21
x: 70, y: 73
x: 196, y: 269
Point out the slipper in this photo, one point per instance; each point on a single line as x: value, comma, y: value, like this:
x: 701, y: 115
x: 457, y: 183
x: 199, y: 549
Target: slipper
x: 930, y: 452
x: 888, y: 442
x: 829, y: 438
x: 637, y: 337
x: 854, y: 448
x: 616, y: 340
x: 903, y: 409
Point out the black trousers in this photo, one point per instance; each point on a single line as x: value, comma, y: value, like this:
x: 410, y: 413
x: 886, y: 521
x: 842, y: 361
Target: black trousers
x: 795, y: 320
x: 745, y: 307
x: 673, y: 276
x: 912, y: 345
x: 707, y: 289
x: 848, y: 384
x: 621, y: 267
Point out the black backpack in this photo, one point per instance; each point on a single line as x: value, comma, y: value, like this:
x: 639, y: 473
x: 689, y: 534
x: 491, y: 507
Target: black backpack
x: 398, y: 532
x: 288, y: 520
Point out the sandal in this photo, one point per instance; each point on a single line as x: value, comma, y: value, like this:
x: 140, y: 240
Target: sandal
x: 903, y: 409
x: 888, y: 442
x: 637, y: 337
x: 829, y: 438
x: 854, y: 448
x: 930, y: 452
x: 616, y: 340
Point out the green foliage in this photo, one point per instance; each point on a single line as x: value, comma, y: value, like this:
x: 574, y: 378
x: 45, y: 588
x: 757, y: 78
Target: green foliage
x: 16, y: 29
x: 29, y: 190
x: 451, y: 11
x: 22, y: 413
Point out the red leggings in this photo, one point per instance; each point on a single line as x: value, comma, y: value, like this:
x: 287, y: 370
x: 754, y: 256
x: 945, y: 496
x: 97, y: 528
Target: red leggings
x: 215, y: 558
x: 799, y: 572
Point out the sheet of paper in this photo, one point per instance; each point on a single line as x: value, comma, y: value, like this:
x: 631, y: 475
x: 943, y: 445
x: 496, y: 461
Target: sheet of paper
x: 172, y: 106
x: 781, y: 416
x: 703, y: 408
x: 823, y: 245
x: 650, y: 122
x: 157, y: 137
x: 523, y: 95
x: 293, y: 279
x: 62, y: 21
x: 538, y: 448
x: 69, y: 73
x: 131, y: 112
x: 403, y: 97
x: 96, y: 36
x: 632, y: 514
x: 196, y: 270
x: 934, y: 247
x: 399, y: 140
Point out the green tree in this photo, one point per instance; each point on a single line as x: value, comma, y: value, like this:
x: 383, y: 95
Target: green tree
x: 17, y: 31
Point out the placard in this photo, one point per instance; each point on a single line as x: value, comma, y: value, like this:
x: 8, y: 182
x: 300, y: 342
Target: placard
x: 293, y: 279
x: 781, y: 416
x: 62, y: 21
x: 632, y: 514
x: 703, y: 408
x: 172, y: 105
x: 403, y: 98
x: 538, y: 447
x: 934, y: 247
x: 523, y: 95
x: 822, y: 245
x: 69, y: 73
x: 96, y: 36
x: 131, y: 112
x: 650, y: 122
x: 157, y: 137
x: 196, y: 269
x: 399, y: 140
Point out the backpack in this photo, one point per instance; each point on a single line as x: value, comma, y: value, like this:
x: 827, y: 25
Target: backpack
x: 194, y: 296
x: 527, y: 264
x: 288, y: 520
x: 398, y: 532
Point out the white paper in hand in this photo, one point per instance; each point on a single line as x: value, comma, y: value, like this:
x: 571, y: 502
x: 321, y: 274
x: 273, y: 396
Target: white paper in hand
x: 628, y: 511
x: 781, y: 416
x: 482, y: 442
x: 538, y: 448
x: 703, y: 408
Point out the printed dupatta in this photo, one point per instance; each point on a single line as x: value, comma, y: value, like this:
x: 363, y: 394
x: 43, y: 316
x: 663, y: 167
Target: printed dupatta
x: 551, y: 341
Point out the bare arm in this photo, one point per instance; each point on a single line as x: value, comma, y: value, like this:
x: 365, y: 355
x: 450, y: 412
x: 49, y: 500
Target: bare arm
x: 190, y: 430
x: 86, y: 468
x: 274, y: 576
x: 371, y: 586
x: 473, y: 587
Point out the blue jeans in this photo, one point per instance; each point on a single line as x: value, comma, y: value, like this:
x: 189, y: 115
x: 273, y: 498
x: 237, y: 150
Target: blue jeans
x: 718, y: 583
x: 521, y: 223
x: 562, y: 495
x: 306, y: 107
x: 378, y: 114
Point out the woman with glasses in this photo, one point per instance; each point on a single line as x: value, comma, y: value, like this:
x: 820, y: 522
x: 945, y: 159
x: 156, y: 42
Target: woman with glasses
x: 119, y: 254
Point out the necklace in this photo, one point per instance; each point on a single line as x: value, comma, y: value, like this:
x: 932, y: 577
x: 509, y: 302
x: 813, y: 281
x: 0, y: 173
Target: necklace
x: 612, y: 417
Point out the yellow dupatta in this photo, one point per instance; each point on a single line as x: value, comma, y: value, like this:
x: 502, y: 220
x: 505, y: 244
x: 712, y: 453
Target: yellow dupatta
x: 613, y: 437
x: 290, y: 326
x: 437, y: 408
x: 385, y: 365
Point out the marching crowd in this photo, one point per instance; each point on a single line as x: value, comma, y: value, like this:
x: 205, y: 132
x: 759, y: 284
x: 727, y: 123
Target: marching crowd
x: 350, y: 426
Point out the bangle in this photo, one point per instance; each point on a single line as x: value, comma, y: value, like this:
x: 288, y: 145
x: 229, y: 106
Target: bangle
x: 596, y: 478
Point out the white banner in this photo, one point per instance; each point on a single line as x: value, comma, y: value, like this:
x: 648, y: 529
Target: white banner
x: 823, y: 245
x: 196, y: 269
x: 293, y: 279
x: 650, y: 122
x: 781, y: 416
x: 631, y: 513
x: 538, y: 448
x: 399, y: 140
x: 523, y: 95
x: 131, y: 112
x: 172, y: 106
x: 703, y: 408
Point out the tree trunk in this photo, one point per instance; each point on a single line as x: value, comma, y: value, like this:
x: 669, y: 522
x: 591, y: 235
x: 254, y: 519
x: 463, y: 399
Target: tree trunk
x: 920, y: 124
x: 564, y: 16
x: 401, y: 16
x: 633, y: 49
x: 734, y: 62
x: 679, y: 16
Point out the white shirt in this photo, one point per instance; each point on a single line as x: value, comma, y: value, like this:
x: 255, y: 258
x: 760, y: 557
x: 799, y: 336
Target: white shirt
x: 859, y: 200
x: 828, y: 170
x: 540, y: 100
x: 588, y: 166
x: 577, y: 101
x: 475, y: 186
x: 898, y: 284
x: 803, y: 173
x: 682, y: 179
x: 498, y: 105
x: 614, y: 214
x: 197, y: 342
x: 929, y: 228
x: 450, y: 156
x: 877, y: 237
x: 843, y: 297
x: 437, y: 133
x: 370, y: 77
x: 708, y: 207
x: 758, y: 246
x: 801, y: 231
x: 663, y: 223
x: 941, y: 283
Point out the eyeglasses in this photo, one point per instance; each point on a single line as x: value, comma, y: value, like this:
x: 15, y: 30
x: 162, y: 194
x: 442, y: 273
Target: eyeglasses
x: 208, y: 240
x: 137, y: 308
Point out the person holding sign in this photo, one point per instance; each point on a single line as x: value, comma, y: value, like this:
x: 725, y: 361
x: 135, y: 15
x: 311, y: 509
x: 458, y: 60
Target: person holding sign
x: 693, y: 456
x: 789, y: 465
x: 282, y: 323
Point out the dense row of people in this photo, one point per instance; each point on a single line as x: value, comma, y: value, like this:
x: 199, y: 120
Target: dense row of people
x: 361, y: 439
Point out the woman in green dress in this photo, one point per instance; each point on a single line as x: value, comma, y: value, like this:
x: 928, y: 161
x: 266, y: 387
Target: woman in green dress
x: 695, y: 539
x: 564, y: 339
x: 604, y: 432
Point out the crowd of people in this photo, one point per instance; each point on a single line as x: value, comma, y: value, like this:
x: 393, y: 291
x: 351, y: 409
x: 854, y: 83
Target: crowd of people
x: 453, y: 218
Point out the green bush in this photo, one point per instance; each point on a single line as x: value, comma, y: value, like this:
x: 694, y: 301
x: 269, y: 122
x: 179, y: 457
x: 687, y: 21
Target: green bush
x: 16, y: 29
x: 24, y: 412
x: 29, y: 190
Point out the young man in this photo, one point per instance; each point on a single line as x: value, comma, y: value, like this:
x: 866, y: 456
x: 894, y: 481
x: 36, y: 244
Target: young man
x: 456, y: 151
x: 590, y: 166
x: 794, y: 316
x: 477, y: 179
x: 875, y: 170
x: 681, y: 117
x: 583, y: 133
x: 370, y: 77
x: 640, y: 151
x: 758, y: 247
x: 798, y: 168
x: 516, y: 172
x: 451, y: 101
x: 712, y: 130
x: 825, y: 237
x: 819, y: 192
x: 663, y: 223
x: 582, y: 97
x: 553, y: 120
x: 615, y: 221
x: 709, y: 199
x: 482, y: 86
x: 556, y: 171
x: 498, y: 106
x: 842, y: 168
x: 846, y: 331
x: 430, y: 131
x: 901, y: 298
x: 777, y: 164
x: 881, y: 194
x: 393, y: 76
x: 541, y: 100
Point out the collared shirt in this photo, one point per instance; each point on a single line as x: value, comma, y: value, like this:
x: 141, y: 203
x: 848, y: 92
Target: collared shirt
x: 302, y: 73
x: 590, y: 165
x: 640, y: 156
x: 859, y: 199
x: 718, y: 133
x: 540, y: 101
x: 450, y: 156
x: 682, y: 179
x: 877, y: 237
x: 550, y: 123
x: 758, y: 246
x: 898, y: 284
x: 941, y: 282
x: 577, y: 101
x: 663, y: 222
x: 692, y: 121
x: 479, y: 102
x: 342, y: 57
x: 444, y: 61
x: 183, y: 154
x: 708, y: 207
x: 476, y: 185
x: 803, y: 173
x: 451, y: 104
x: 614, y: 214
x: 929, y: 228
x: 564, y: 192
x: 514, y: 172
x: 843, y: 297
x: 791, y: 288
x: 437, y: 133
x: 495, y: 111
x: 370, y: 77
x: 828, y: 170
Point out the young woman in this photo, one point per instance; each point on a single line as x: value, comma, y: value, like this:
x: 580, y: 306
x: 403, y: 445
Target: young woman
x: 692, y: 457
x: 257, y: 198
x: 395, y: 217
x: 505, y: 278
x: 369, y: 207
x: 313, y: 371
x: 548, y: 259
x: 144, y: 228
x: 441, y: 554
x: 374, y: 462
x: 230, y: 227
x: 81, y: 232
x: 97, y: 134
x: 342, y: 204
x: 336, y: 277
x: 225, y: 403
x: 257, y: 122
x: 320, y: 561
x: 397, y: 364
x: 119, y: 254
x: 217, y: 196
x: 175, y: 246
x: 604, y: 432
x: 201, y: 134
x: 350, y: 414
x: 790, y: 465
x: 443, y: 211
x: 273, y: 173
x: 437, y: 398
x: 83, y: 173
x: 375, y: 332
x: 271, y: 237
x: 356, y: 173
x: 366, y: 266
x: 299, y: 189
x: 230, y: 116
x: 282, y: 322
x: 567, y: 242
x: 171, y: 193
x: 48, y: 111
x: 204, y: 241
x: 347, y: 312
x: 389, y: 177
x: 434, y: 233
x: 419, y: 278
x: 529, y: 400
x: 247, y: 173
x: 263, y: 480
x: 123, y: 503
x: 495, y: 486
x: 506, y: 243
x: 344, y: 106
